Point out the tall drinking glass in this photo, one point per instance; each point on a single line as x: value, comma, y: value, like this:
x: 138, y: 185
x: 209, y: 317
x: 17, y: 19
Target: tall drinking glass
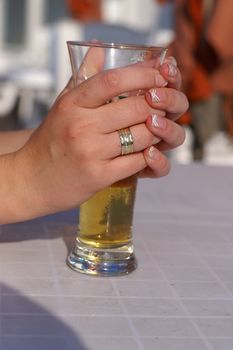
x: 104, y: 244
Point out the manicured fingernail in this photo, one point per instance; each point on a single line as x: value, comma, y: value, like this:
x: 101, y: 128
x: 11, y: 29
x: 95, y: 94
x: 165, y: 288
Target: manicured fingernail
x: 158, y: 122
x: 157, y: 95
x: 160, y: 81
x: 172, y: 71
x: 156, y: 140
x: 153, y: 153
x: 172, y: 60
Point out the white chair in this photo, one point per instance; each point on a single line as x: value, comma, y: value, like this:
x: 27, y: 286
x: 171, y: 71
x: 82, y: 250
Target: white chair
x: 8, y: 97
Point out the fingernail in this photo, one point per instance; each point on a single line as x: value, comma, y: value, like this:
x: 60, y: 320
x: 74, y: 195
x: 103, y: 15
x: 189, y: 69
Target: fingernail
x: 172, y: 60
x: 156, y: 140
x: 153, y: 153
x: 172, y: 71
x: 157, y: 95
x: 160, y: 81
x: 158, y: 122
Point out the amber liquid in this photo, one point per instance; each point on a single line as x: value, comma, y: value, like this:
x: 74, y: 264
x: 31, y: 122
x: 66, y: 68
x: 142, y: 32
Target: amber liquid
x: 106, y: 219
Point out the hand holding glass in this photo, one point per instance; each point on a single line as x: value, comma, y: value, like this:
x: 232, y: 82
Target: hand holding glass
x: 104, y: 243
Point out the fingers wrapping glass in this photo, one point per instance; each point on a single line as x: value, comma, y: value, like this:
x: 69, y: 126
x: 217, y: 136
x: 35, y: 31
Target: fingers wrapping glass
x: 104, y: 243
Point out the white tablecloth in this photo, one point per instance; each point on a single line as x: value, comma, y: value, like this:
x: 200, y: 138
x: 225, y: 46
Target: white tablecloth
x: 179, y: 298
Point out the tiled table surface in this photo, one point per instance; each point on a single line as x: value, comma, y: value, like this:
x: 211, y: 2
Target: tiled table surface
x: 180, y: 297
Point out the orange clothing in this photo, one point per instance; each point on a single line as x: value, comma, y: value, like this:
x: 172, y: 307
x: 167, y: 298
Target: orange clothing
x: 189, y: 28
x: 203, y: 47
x: 85, y: 10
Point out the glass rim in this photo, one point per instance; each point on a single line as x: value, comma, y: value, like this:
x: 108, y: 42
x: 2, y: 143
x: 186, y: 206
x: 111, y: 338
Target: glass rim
x: 115, y: 45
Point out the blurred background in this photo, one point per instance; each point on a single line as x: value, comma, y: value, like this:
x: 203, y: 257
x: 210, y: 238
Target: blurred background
x: 34, y: 62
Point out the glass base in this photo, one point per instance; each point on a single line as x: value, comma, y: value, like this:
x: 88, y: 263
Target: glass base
x: 102, y: 262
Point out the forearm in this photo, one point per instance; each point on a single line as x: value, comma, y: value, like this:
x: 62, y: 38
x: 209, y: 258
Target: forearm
x: 12, y: 200
x: 21, y: 192
x: 8, y: 197
x: 11, y: 141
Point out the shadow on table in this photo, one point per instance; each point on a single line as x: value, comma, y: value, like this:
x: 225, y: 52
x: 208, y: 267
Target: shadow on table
x: 26, y: 325
x: 62, y: 225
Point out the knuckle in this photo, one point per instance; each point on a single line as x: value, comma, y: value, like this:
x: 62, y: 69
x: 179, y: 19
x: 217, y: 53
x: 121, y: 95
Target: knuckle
x: 177, y: 101
x: 110, y: 79
x: 75, y: 130
x: 171, y: 99
x: 178, y: 135
x: 61, y: 104
x: 164, y: 165
x: 150, y: 140
x: 77, y: 134
x: 82, y: 93
x: 175, y: 134
x: 143, y: 138
x: 140, y: 107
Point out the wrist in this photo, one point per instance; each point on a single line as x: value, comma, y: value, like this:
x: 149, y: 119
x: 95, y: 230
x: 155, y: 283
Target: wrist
x: 11, y: 204
x: 19, y: 192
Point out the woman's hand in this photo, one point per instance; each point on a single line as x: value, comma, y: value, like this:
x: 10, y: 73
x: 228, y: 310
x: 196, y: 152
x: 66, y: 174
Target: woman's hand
x: 76, y: 151
x: 172, y: 105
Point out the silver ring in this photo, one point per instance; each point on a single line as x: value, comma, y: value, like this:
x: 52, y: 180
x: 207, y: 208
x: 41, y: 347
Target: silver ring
x: 126, y: 139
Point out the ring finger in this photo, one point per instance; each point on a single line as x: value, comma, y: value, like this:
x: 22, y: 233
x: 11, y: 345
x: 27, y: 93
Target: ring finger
x: 141, y: 135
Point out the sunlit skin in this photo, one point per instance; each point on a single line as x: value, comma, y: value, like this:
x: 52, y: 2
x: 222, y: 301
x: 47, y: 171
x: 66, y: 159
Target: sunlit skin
x: 76, y: 150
